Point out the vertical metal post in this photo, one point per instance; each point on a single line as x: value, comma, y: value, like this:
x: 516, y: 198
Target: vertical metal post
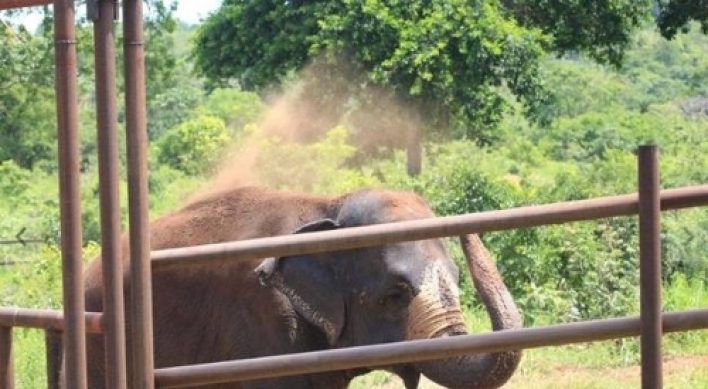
x: 136, y: 132
x: 7, y: 377
x: 52, y: 346
x: 108, y: 162
x: 650, y: 267
x: 69, y: 192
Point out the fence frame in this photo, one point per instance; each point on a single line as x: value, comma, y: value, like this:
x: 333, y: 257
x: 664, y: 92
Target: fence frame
x: 74, y: 323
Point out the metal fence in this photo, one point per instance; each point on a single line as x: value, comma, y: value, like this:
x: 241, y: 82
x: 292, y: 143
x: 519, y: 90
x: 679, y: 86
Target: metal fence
x: 73, y: 322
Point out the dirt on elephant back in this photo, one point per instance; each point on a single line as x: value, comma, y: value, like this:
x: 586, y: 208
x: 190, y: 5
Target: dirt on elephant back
x: 679, y: 372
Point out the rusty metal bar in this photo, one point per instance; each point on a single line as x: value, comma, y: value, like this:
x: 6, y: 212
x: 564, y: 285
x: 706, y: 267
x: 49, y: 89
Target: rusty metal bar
x: 650, y: 266
x: 423, y: 229
x: 53, y: 349
x: 7, y: 376
x: 12, y: 4
x: 69, y: 192
x: 108, y: 162
x: 45, y: 318
x: 419, y: 350
x: 136, y: 129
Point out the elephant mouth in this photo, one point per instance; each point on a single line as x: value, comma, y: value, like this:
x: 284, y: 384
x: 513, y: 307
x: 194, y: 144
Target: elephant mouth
x: 409, y: 373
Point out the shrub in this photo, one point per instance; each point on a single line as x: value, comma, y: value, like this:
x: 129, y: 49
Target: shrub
x: 235, y: 107
x: 193, y: 146
x: 15, y: 180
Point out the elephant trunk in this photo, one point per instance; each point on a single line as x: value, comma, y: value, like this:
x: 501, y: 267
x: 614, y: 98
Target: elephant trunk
x: 438, y: 317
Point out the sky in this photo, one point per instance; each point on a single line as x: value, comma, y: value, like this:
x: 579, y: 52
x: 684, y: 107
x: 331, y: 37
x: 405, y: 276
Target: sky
x: 189, y: 11
x: 192, y: 11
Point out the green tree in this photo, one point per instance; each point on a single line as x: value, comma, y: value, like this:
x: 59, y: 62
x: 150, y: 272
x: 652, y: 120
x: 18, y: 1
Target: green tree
x: 451, y: 61
x: 675, y: 15
x: 171, y: 107
x: 26, y: 84
x: 601, y: 29
x: 15, y: 181
x: 26, y: 107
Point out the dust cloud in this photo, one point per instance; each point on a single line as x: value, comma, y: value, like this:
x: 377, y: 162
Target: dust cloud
x: 323, y: 95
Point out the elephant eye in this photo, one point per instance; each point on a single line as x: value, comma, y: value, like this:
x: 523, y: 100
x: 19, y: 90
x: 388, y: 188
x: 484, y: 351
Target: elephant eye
x: 397, y: 296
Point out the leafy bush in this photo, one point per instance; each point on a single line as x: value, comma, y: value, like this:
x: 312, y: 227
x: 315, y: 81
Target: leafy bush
x: 193, y: 146
x: 683, y: 293
x: 15, y: 180
x: 170, y: 108
x: 27, y: 130
x: 684, y: 242
x: 235, y: 107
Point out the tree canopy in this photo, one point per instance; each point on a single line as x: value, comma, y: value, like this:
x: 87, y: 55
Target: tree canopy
x: 27, y: 109
x: 25, y: 83
x: 601, y: 29
x: 460, y: 57
x: 458, y: 63
x: 675, y: 16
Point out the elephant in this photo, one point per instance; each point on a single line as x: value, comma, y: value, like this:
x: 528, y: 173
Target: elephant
x: 292, y: 304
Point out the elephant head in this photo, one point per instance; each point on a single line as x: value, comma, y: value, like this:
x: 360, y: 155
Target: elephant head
x: 396, y: 292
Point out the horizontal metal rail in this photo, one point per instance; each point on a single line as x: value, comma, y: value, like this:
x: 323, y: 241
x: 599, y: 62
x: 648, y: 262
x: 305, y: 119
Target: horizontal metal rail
x: 419, y: 350
x: 12, y: 4
x: 375, y: 235
x: 45, y: 318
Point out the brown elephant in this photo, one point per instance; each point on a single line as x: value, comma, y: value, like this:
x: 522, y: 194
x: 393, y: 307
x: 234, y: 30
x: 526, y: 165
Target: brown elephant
x: 312, y: 302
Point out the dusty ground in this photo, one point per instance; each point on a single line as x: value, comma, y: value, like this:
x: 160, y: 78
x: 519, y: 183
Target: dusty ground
x: 679, y: 372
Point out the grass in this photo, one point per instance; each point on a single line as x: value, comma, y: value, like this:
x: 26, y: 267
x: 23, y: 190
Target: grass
x: 30, y: 358
x: 35, y: 284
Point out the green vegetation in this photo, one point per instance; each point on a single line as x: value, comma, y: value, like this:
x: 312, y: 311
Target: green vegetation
x: 459, y: 64
x: 579, y: 143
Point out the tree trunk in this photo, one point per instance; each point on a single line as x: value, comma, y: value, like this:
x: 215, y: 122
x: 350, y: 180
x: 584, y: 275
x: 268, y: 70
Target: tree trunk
x: 414, y: 153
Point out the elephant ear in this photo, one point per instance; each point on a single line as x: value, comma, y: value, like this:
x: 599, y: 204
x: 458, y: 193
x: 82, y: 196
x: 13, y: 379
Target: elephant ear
x: 309, y: 283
